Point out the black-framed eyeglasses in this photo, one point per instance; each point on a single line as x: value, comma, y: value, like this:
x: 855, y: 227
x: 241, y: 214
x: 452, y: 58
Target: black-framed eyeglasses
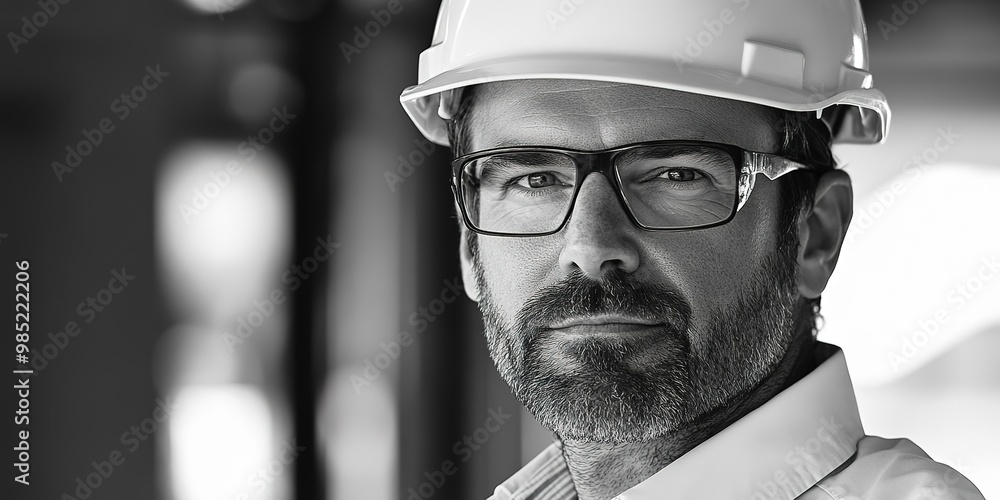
x: 663, y: 185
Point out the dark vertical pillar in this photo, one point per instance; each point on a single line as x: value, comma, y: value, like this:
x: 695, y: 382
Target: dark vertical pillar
x: 434, y: 377
x: 309, y: 155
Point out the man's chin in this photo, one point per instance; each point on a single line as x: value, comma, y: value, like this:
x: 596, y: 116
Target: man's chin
x: 596, y: 419
x: 602, y: 397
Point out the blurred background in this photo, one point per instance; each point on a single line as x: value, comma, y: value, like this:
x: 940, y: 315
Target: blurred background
x: 243, y: 255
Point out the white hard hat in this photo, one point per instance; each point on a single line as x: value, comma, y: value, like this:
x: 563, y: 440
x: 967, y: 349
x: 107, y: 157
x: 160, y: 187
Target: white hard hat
x: 798, y: 55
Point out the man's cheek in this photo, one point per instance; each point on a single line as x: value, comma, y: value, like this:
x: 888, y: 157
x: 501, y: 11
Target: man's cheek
x: 510, y: 275
x: 714, y: 279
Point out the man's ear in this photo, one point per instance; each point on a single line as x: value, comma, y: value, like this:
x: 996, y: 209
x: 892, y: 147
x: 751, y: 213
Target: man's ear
x: 822, y: 231
x: 465, y: 256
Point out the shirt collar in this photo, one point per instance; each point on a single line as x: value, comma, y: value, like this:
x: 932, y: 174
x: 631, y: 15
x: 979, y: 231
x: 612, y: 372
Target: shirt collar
x: 779, y: 450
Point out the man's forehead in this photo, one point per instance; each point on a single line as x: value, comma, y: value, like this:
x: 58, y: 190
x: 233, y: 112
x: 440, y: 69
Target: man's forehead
x: 594, y: 115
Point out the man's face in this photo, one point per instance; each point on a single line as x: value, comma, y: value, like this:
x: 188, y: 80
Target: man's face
x: 610, y: 333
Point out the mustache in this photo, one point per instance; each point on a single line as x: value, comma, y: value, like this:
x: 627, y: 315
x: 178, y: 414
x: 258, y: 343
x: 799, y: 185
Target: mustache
x: 616, y: 293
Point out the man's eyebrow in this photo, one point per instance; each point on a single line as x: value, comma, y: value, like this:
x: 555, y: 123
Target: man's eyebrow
x: 513, y: 143
x: 665, y: 152
x: 530, y: 159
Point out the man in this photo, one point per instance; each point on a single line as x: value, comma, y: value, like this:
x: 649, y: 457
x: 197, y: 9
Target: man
x: 646, y: 295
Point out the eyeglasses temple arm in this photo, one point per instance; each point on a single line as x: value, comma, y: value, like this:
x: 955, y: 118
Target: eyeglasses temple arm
x: 772, y: 166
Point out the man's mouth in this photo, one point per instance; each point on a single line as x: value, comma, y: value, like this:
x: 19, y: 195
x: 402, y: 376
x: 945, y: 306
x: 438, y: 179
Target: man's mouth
x: 605, y: 324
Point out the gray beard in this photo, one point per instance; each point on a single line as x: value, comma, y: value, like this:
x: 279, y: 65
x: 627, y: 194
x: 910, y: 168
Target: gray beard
x: 618, y: 391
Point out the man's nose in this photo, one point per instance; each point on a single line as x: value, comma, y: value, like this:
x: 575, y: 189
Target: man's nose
x: 599, y: 235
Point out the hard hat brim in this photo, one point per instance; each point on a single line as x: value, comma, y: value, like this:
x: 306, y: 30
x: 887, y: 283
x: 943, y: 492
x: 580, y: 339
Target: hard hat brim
x: 855, y: 116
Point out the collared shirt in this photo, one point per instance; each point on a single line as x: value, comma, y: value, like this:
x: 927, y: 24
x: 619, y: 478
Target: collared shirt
x: 806, y: 443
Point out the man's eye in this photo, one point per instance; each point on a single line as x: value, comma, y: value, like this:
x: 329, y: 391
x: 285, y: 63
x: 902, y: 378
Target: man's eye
x: 538, y: 180
x: 682, y: 174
